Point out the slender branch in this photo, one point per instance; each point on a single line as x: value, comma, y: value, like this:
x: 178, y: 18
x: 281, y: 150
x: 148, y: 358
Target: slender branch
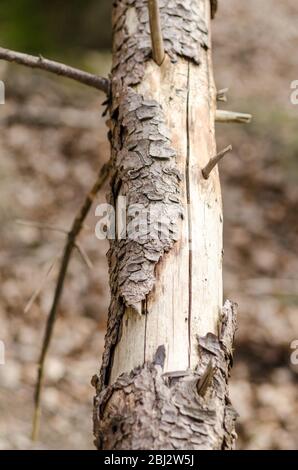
x: 214, y: 161
x: 84, y: 255
x: 58, y: 68
x: 158, y: 50
x: 230, y: 116
x: 40, y: 287
x: 222, y: 95
x: 68, y: 249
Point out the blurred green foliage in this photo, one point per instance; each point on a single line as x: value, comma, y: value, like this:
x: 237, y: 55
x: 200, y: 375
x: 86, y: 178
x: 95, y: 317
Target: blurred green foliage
x: 56, y: 27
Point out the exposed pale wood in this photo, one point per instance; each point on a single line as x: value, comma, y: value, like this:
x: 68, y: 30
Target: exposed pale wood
x: 167, y: 319
x: 206, y: 209
x: 187, y: 298
x: 130, y: 350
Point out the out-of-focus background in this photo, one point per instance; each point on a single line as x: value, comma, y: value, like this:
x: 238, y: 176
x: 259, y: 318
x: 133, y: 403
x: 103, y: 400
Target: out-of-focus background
x: 52, y: 143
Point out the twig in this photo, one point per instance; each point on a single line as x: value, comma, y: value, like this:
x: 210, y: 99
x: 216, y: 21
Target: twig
x: 230, y: 116
x: 58, y: 68
x: 158, y: 50
x: 40, y: 287
x: 214, y: 161
x: 84, y: 255
x: 69, y: 246
x: 221, y: 95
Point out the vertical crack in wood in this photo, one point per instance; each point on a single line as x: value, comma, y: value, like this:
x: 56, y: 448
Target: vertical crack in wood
x: 187, y: 173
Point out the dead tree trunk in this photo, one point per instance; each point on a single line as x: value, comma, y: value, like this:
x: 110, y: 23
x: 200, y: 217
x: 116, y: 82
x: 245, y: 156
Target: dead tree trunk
x: 168, y: 351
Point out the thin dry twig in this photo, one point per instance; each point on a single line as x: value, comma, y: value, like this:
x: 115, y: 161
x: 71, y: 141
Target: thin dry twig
x: 84, y: 255
x: 158, y: 50
x: 214, y: 161
x: 68, y: 249
x: 40, y: 287
x: 57, y: 68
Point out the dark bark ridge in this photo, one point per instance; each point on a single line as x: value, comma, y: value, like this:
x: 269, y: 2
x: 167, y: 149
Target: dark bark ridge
x: 144, y: 168
x: 147, y: 409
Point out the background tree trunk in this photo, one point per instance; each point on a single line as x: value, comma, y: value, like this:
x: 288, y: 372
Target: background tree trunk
x: 163, y: 382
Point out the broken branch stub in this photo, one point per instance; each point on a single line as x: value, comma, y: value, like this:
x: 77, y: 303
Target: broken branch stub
x: 214, y: 161
x: 231, y: 116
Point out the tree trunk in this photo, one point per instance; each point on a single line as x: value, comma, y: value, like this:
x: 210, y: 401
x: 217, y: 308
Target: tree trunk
x: 168, y: 351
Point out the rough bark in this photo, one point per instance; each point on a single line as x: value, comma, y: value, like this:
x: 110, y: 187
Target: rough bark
x: 168, y: 350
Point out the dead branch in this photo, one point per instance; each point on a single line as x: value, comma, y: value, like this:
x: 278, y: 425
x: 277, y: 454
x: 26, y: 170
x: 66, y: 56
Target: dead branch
x: 214, y: 161
x: 57, y: 68
x: 158, y: 50
x: 68, y: 249
x: 231, y: 116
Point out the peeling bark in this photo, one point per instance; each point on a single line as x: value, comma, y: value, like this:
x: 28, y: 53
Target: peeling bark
x: 147, y: 409
x: 141, y: 400
x: 143, y: 157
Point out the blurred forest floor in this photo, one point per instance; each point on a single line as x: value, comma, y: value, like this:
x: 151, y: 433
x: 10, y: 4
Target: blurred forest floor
x: 53, y: 141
